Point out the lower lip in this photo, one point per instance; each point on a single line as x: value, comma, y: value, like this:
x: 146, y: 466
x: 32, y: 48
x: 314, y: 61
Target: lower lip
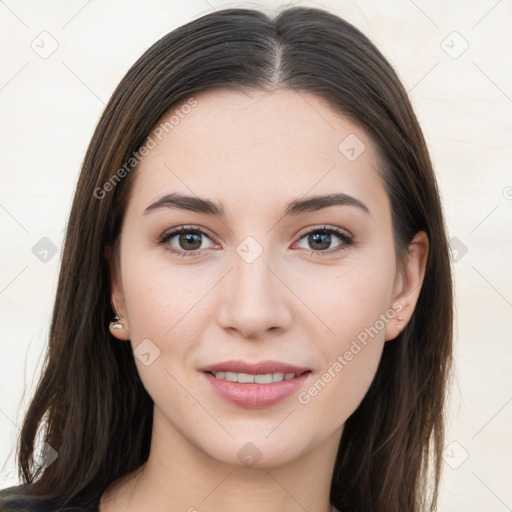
x: 255, y: 396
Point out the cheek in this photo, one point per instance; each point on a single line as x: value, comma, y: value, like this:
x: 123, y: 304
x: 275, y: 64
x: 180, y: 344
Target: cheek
x: 355, y: 307
x: 162, y: 298
x: 348, y: 297
x: 339, y: 388
x: 166, y: 304
x: 350, y: 358
x: 163, y: 307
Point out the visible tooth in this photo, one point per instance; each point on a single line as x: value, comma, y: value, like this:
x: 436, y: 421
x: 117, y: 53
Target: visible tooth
x: 245, y: 378
x: 232, y: 376
x: 263, y: 379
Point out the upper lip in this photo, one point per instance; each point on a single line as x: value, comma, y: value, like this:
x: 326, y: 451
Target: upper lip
x: 260, y: 368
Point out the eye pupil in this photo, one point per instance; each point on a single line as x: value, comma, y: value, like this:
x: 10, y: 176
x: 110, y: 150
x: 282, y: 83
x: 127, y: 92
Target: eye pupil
x: 186, y: 238
x: 323, y: 238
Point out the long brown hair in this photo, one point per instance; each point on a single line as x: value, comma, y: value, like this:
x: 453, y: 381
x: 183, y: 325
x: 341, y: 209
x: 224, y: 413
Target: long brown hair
x: 90, y: 404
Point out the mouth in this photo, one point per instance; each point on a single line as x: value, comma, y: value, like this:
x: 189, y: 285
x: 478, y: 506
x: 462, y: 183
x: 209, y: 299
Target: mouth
x: 227, y: 369
x: 255, y: 385
x: 262, y: 378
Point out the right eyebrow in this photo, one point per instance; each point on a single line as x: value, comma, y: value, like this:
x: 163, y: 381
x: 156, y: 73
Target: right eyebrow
x: 184, y: 202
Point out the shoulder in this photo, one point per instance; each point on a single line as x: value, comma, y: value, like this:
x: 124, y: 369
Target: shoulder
x: 15, y: 498
x: 19, y: 499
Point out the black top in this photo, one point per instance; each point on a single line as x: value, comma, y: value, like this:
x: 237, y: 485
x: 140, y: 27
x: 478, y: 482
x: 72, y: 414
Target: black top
x: 16, y: 499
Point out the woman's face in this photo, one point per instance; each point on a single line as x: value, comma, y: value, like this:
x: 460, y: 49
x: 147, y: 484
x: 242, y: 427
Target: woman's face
x: 273, y: 277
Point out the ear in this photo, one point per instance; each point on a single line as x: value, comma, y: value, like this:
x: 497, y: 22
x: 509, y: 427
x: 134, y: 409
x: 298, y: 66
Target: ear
x: 116, y: 295
x: 408, y: 283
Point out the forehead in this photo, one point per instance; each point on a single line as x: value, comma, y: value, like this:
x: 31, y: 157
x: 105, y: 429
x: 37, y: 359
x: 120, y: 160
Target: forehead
x: 279, y: 145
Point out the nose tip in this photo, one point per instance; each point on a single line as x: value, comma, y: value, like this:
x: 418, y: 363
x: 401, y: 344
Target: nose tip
x: 253, y: 300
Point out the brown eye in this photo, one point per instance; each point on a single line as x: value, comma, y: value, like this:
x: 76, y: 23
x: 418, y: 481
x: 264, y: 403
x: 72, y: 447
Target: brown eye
x: 189, y: 241
x: 320, y: 240
x: 183, y: 240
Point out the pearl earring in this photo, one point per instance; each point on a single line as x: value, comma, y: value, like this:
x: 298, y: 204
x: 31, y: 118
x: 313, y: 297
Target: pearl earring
x: 117, y: 324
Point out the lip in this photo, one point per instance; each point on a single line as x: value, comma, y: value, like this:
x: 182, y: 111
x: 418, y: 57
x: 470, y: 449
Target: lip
x: 251, y: 395
x: 255, y: 396
x: 260, y: 368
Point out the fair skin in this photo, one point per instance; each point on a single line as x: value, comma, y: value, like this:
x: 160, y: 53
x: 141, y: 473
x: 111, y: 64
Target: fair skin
x: 253, y: 154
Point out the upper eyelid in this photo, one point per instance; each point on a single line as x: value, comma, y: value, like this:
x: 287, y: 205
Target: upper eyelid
x: 324, y: 227
x: 172, y: 232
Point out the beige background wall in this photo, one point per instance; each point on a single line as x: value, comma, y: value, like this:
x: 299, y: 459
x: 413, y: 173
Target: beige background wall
x: 454, y: 58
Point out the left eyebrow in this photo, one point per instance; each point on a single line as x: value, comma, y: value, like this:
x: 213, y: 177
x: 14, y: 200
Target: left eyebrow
x: 315, y: 203
x: 295, y: 207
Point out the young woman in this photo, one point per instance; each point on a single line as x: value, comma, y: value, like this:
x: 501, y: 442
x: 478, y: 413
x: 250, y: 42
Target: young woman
x: 258, y: 209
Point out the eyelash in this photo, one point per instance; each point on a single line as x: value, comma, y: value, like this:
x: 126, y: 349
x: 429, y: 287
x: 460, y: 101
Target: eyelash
x: 346, y: 238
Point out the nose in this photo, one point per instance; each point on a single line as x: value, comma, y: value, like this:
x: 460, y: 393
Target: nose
x: 255, y: 299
